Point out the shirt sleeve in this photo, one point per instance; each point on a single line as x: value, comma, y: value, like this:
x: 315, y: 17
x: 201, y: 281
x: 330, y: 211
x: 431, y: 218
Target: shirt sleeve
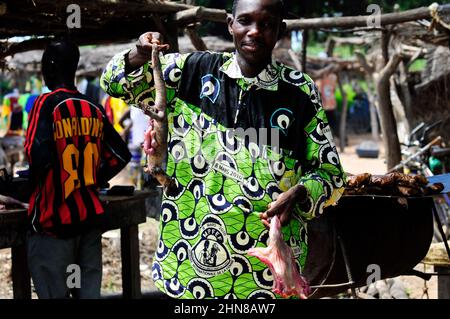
x: 322, y: 173
x: 38, y: 145
x: 138, y: 86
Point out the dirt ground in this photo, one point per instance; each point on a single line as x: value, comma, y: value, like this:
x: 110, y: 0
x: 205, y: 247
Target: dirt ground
x: 148, y: 234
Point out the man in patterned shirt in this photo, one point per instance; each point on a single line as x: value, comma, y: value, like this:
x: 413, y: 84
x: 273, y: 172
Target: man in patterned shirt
x: 230, y: 184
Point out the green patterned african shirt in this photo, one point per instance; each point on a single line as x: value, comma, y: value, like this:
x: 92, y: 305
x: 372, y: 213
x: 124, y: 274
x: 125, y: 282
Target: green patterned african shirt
x: 226, y: 179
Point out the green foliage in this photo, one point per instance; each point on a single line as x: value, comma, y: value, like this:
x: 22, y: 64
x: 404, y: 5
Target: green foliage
x: 350, y: 95
x: 343, y: 51
x: 418, y: 65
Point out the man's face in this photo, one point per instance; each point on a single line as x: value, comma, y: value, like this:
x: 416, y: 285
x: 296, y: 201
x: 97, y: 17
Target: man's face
x: 255, y: 28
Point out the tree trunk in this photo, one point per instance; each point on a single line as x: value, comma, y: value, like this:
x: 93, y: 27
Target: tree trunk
x: 295, y: 60
x: 196, y: 40
x: 373, y: 110
x: 388, y: 124
x: 406, y: 94
x: 304, y: 50
x: 369, y: 69
x: 343, y: 117
x: 399, y: 110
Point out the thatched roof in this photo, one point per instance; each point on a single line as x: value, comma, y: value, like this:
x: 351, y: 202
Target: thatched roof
x: 94, y: 59
x: 101, y: 21
x: 99, y: 18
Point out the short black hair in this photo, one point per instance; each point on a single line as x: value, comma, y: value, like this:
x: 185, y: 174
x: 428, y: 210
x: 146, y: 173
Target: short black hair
x: 61, y: 54
x: 280, y: 4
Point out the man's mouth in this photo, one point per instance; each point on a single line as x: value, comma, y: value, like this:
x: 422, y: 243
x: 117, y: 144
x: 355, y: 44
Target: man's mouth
x: 251, y: 46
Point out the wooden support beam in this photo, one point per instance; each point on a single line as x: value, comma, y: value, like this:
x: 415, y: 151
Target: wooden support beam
x: 295, y: 60
x: 343, y: 118
x: 188, y: 16
x: 388, y: 124
x: 443, y: 282
x: 131, y: 276
x: 349, y: 40
x: 148, y: 6
x: 362, y: 21
x: 20, y: 273
x: 364, y: 63
x: 331, y: 68
x: 304, y: 50
x: 196, y: 40
x: 28, y: 45
x: 197, y: 14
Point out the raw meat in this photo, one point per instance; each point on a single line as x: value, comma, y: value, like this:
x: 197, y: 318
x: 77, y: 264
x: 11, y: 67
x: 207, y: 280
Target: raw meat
x: 287, y: 280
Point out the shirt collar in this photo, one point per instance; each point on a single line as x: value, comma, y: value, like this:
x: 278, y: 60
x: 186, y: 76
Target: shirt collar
x: 267, y: 79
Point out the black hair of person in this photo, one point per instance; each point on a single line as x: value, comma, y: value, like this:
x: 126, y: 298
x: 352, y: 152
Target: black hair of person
x: 61, y: 55
x: 280, y: 4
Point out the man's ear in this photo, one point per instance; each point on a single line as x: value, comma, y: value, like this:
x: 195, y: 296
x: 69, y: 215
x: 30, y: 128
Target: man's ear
x: 283, y: 28
x: 230, y: 21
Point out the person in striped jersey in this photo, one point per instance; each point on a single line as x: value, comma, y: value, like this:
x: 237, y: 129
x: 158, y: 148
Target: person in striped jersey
x: 72, y: 150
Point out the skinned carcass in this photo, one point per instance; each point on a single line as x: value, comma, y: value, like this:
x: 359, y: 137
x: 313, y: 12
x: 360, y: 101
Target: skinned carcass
x: 278, y: 256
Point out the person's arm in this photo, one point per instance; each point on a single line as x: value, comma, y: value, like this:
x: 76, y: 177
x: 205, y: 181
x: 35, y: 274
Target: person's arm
x: 321, y: 181
x: 322, y: 174
x: 129, y: 74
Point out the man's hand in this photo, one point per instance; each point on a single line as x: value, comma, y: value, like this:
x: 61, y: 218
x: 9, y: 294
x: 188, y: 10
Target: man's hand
x: 285, y: 204
x: 143, y: 50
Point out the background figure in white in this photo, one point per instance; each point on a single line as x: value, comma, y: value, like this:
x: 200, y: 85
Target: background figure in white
x: 140, y: 123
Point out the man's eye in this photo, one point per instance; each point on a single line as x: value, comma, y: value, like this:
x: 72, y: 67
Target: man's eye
x: 244, y: 21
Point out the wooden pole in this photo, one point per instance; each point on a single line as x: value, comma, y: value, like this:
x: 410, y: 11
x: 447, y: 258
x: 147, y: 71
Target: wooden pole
x: 343, y: 117
x: 370, y: 69
x: 362, y: 21
x: 131, y: 276
x: 304, y: 50
x: 197, y: 14
x: 295, y: 59
x: 388, y: 124
x: 196, y: 40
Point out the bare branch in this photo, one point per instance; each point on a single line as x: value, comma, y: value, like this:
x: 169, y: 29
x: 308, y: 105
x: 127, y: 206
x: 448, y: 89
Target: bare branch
x: 363, y: 61
x: 361, y: 21
x: 390, y: 68
x: 196, y: 40
x: 295, y: 59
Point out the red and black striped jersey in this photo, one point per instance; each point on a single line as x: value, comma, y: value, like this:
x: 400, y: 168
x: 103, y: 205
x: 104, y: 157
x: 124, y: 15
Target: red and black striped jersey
x: 72, y: 149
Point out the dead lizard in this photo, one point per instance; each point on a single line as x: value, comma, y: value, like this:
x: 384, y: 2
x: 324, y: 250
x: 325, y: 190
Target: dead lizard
x: 157, y: 112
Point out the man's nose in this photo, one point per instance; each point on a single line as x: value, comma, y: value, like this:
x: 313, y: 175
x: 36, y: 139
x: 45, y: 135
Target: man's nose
x: 254, y: 31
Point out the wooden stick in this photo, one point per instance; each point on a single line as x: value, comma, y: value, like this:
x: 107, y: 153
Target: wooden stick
x: 361, y: 21
x: 197, y: 14
x: 196, y: 40
x: 295, y: 59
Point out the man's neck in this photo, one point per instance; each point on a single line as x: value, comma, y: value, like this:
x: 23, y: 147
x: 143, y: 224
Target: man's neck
x: 65, y: 85
x: 250, y: 70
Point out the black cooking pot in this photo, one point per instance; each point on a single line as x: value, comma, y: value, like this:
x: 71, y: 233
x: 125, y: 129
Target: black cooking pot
x: 391, y: 234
